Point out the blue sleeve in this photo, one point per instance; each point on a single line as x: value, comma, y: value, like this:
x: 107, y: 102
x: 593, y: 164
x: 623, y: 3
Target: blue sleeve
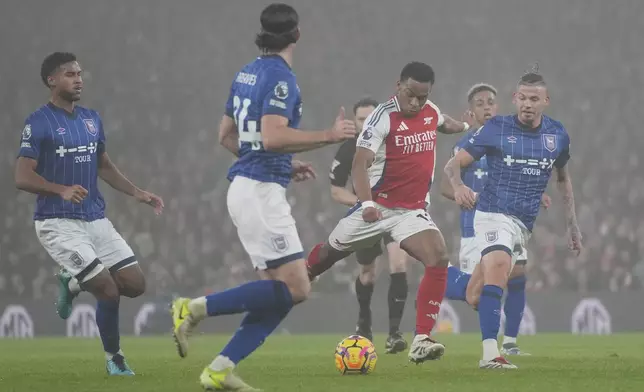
x: 100, y: 148
x: 230, y: 107
x: 564, y: 156
x: 281, y: 95
x: 33, y: 135
x: 482, y: 141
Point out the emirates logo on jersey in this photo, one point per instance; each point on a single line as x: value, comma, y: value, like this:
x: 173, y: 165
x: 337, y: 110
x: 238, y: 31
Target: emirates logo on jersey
x: 418, y: 142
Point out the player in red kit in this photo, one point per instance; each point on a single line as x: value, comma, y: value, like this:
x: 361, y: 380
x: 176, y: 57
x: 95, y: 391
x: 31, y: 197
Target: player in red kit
x: 392, y: 171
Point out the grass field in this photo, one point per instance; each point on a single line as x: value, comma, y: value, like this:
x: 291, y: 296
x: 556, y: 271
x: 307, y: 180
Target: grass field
x: 305, y: 363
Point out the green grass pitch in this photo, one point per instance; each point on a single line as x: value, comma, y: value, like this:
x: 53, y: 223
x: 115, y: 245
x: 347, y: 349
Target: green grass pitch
x: 305, y: 363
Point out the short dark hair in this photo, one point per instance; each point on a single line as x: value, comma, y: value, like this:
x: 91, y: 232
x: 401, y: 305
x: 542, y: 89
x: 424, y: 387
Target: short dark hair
x: 365, y: 103
x: 279, y: 28
x: 532, y: 79
x: 51, y: 63
x: 479, y: 87
x: 418, y: 71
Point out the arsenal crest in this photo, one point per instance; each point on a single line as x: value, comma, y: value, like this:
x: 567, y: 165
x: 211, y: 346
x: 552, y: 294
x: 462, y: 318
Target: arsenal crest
x: 550, y: 142
x: 91, y: 127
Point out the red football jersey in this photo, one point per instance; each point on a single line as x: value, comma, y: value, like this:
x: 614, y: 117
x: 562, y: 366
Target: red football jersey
x: 405, y: 149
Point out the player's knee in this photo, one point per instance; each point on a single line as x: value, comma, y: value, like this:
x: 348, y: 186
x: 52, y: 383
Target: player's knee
x: 134, y: 290
x: 397, y: 264
x: 496, y: 263
x: 299, y: 290
x: 368, y: 274
x: 104, y: 288
x: 496, y: 268
x: 130, y: 281
x: 439, y: 257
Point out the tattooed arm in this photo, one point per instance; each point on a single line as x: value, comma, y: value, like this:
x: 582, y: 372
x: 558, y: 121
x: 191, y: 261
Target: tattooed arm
x: 564, y: 185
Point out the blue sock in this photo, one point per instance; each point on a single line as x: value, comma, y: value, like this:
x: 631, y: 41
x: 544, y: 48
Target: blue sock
x: 252, y: 333
x: 252, y: 297
x: 456, y: 284
x: 514, y: 305
x: 490, y: 311
x: 107, y: 321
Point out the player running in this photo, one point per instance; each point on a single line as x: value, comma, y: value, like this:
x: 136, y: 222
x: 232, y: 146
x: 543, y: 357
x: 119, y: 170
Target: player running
x: 340, y: 171
x: 62, y: 155
x: 521, y: 152
x: 392, y: 170
x: 260, y: 127
x: 482, y: 107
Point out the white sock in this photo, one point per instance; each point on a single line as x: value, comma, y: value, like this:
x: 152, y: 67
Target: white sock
x: 220, y: 363
x: 508, y: 339
x: 73, y: 286
x: 198, y: 308
x: 490, y: 349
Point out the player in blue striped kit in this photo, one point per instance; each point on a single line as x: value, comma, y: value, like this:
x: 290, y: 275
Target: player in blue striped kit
x: 62, y: 156
x: 483, y: 106
x: 522, y: 151
x: 260, y: 127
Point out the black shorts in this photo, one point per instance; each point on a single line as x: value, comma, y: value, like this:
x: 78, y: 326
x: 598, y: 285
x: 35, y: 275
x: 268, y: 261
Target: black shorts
x: 367, y: 256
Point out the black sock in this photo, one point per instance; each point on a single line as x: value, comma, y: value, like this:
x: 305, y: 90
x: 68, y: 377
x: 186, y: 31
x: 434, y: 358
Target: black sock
x: 397, y: 298
x: 364, y: 292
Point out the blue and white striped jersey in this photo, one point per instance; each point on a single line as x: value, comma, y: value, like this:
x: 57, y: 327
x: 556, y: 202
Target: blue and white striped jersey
x: 66, y: 147
x: 264, y: 86
x: 520, y: 162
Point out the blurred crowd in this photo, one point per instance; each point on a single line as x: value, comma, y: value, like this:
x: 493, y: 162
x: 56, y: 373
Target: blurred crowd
x: 161, y: 78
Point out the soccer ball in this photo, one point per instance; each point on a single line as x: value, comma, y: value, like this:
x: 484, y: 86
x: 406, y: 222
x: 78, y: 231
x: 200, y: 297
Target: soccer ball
x: 355, y: 355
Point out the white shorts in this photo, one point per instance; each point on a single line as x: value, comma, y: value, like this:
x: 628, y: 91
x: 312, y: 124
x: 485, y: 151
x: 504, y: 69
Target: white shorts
x: 264, y: 223
x: 84, y: 248
x: 352, y: 233
x: 495, y: 231
x: 470, y: 255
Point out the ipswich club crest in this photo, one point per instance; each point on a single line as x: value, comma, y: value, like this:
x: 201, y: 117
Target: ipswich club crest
x: 550, y: 142
x: 280, y: 243
x: 492, y: 236
x: 91, y: 127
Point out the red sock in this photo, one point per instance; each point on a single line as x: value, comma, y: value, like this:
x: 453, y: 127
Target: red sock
x: 314, y: 256
x: 429, y: 297
x: 318, y: 261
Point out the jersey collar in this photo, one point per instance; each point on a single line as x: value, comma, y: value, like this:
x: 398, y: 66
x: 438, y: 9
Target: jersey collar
x: 524, y: 127
x: 277, y: 57
x: 61, y: 110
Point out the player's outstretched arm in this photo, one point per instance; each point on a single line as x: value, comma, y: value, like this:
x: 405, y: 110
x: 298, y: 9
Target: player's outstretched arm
x: 109, y: 173
x: 228, y: 135
x: 462, y: 194
x: 450, y: 125
x: 279, y: 137
x: 28, y: 180
x: 564, y: 185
